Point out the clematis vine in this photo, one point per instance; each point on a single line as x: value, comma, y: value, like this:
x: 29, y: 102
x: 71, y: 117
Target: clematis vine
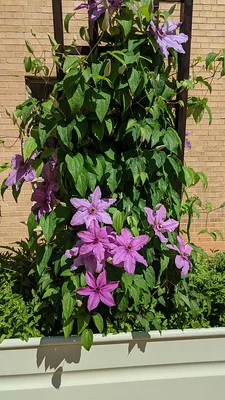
x: 98, y: 290
x: 125, y: 250
x: 22, y: 171
x: 94, y: 210
x: 97, y: 8
x: 166, y: 37
x: 182, y: 261
x: 158, y: 222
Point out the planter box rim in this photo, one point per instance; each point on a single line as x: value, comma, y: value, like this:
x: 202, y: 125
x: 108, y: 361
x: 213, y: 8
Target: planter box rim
x: 171, y: 334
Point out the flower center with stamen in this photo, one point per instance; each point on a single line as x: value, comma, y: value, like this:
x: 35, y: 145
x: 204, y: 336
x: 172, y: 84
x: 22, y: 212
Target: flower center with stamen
x: 159, y: 227
x: 92, y: 210
x: 129, y: 247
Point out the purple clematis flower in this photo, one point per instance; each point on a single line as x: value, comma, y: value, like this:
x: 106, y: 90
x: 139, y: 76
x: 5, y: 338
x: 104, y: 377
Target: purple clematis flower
x: 125, y: 250
x: 91, y: 211
x: 187, y: 143
x: 97, y: 8
x: 74, y: 251
x: 182, y: 261
x: 157, y: 220
x: 44, y: 198
x: 98, y: 290
x: 90, y: 262
x: 95, y: 241
x: 166, y: 37
x: 23, y: 171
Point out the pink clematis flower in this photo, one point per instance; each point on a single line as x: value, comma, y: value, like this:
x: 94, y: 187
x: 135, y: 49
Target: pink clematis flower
x: 125, y: 250
x: 98, y: 290
x: 157, y: 220
x: 22, y: 171
x: 93, y: 210
x: 182, y: 261
x: 95, y: 241
x: 166, y: 37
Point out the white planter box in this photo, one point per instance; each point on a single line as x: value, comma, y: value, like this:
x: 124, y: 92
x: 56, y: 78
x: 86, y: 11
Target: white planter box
x: 176, y: 365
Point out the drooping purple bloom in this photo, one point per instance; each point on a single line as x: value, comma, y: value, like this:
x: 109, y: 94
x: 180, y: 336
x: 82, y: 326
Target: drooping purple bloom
x: 97, y: 8
x: 166, y: 37
x: 93, y: 210
x: 50, y: 170
x: 125, y: 250
x: 74, y: 251
x: 158, y: 222
x: 22, y: 171
x: 98, y: 290
x: 44, y: 198
x: 182, y: 261
x: 90, y: 263
x: 95, y: 241
x: 187, y: 143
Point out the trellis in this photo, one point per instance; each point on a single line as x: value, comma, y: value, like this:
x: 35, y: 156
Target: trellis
x: 180, y: 105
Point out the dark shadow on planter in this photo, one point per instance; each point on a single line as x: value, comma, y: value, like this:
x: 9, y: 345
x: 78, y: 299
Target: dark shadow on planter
x: 139, y: 340
x: 54, y: 353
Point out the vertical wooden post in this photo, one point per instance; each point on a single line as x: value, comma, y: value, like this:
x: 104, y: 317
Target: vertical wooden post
x: 186, y: 13
x: 58, y: 28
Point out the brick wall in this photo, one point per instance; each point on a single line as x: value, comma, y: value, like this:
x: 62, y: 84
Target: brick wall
x: 208, y: 143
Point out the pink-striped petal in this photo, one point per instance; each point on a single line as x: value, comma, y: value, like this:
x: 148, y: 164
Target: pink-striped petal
x: 93, y: 301
x: 81, y: 204
x: 129, y: 264
x: 101, y: 279
x: 107, y: 298
x: 139, y: 241
x: 96, y: 196
x: 90, y: 280
x: 84, y: 291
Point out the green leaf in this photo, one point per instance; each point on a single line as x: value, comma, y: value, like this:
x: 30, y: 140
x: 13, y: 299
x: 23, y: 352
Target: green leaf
x: 98, y: 130
x: 29, y: 47
x: 134, y: 80
x: 82, y: 182
x: 48, y: 224
x: 29, y: 146
x: 210, y: 58
x: 101, y: 102
x: 68, y: 327
x: 125, y: 20
x: 98, y: 321
x: 67, y: 19
x: 75, y: 165
x: 4, y: 166
x: 76, y: 97
x: 118, y: 220
x: 43, y: 256
x: 82, y: 322
x: 65, y: 133
x: 149, y: 275
x: 171, y: 140
x: 68, y: 305
x: 27, y: 64
x: 159, y: 157
x: 87, y: 339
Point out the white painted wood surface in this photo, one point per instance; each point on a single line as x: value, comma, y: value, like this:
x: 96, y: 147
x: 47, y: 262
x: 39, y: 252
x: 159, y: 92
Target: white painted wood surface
x: 174, y: 365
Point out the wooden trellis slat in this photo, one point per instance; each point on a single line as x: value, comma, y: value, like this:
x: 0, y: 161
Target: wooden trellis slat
x: 186, y: 11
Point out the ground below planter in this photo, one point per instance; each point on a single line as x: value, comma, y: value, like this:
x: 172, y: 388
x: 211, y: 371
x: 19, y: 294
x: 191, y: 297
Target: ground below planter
x: 171, y: 366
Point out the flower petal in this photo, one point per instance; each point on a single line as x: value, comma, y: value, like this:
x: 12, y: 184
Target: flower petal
x: 78, y: 218
x: 139, y: 258
x: 90, y: 280
x: 161, y: 237
x: 139, y: 241
x: 81, y: 204
x: 110, y: 286
x: 150, y: 215
x: 104, y: 217
x: 170, y: 225
x: 93, y: 301
x: 119, y: 256
x: 160, y: 213
x: 101, y: 279
x: 96, y: 196
x: 84, y: 291
x: 107, y: 298
x: 129, y: 264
